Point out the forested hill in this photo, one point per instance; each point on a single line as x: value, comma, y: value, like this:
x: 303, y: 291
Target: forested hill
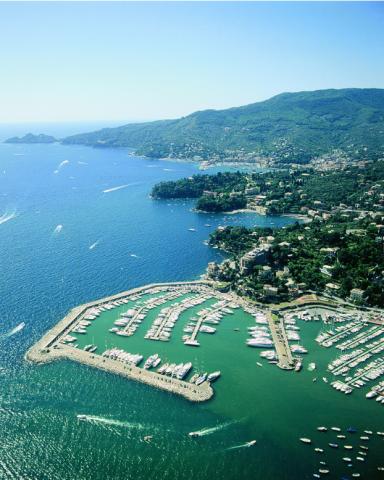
x: 288, y: 128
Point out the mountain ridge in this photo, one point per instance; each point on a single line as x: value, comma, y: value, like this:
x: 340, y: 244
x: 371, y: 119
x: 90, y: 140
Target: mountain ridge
x: 287, y: 128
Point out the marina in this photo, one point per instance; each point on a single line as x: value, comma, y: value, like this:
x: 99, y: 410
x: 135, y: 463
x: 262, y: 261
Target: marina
x: 183, y: 313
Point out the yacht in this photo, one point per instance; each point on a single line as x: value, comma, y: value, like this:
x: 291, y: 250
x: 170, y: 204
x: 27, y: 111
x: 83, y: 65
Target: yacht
x: 213, y: 376
x: 251, y: 443
x: 201, y: 379
x: 305, y: 440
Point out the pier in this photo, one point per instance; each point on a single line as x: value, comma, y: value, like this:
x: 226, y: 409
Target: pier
x: 284, y: 354
x: 192, y: 339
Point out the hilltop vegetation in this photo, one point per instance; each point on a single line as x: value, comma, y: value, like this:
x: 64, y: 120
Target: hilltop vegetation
x: 335, y: 255
x: 288, y: 128
x: 277, y: 192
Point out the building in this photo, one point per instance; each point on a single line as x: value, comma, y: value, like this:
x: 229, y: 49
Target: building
x: 257, y: 256
x: 332, y: 288
x: 327, y: 270
x: 270, y: 293
x: 357, y: 295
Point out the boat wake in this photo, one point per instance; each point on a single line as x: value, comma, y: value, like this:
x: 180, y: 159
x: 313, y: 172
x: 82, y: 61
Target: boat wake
x: 7, y: 216
x: 110, y: 422
x: 60, y: 166
x: 209, y: 431
x: 14, y: 330
x: 114, y: 189
x: 91, y: 247
x: 58, y: 229
x: 243, y: 445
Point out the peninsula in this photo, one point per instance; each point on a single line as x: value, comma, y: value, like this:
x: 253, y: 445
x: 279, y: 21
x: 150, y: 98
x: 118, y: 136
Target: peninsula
x: 290, y: 128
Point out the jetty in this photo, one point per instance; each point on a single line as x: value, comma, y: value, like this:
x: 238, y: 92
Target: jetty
x: 52, y: 346
x: 284, y: 354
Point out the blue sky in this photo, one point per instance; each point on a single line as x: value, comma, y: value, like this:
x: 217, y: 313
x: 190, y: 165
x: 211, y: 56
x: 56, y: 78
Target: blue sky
x: 138, y: 61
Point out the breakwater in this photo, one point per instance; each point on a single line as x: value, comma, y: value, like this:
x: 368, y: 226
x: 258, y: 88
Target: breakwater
x: 50, y: 348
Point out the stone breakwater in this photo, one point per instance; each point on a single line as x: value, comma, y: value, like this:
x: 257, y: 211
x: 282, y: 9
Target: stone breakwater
x: 49, y: 348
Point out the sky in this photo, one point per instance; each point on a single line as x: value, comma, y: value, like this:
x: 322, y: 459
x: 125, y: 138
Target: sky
x: 129, y: 61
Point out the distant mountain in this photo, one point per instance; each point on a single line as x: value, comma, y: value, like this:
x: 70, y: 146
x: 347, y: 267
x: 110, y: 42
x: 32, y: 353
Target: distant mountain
x: 31, y: 138
x: 288, y: 128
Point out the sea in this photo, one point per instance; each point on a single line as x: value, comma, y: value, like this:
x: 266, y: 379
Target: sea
x: 77, y: 224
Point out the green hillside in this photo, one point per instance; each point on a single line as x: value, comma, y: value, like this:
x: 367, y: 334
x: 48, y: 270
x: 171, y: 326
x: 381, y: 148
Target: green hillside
x: 291, y: 127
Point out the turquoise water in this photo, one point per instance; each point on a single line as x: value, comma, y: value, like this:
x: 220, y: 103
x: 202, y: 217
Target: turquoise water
x: 43, y: 274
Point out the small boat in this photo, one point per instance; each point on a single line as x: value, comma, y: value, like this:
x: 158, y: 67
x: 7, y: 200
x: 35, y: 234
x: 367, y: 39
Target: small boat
x: 194, y: 434
x: 251, y: 443
x: 333, y: 445
x: 201, y: 379
x: 319, y: 450
x: 323, y: 470
x: 81, y: 417
x: 336, y: 429
x: 360, y: 459
x: 348, y: 447
x: 364, y: 438
x: 351, y: 430
x: 322, y: 429
x: 259, y: 364
x: 347, y: 459
x: 305, y: 440
x: 192, y: 229
x: 213, y: 376
x: 194, y: 378
x: 341, y: 436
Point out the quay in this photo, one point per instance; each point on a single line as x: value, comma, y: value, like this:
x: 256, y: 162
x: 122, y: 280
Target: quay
x: 284, y: 354
x: 50, y: 348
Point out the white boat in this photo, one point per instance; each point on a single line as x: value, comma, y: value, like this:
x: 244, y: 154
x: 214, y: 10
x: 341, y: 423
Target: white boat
x: 251, y: 443
x: 213, y: 376
x: 201, y: 379
x: 305, y: 440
